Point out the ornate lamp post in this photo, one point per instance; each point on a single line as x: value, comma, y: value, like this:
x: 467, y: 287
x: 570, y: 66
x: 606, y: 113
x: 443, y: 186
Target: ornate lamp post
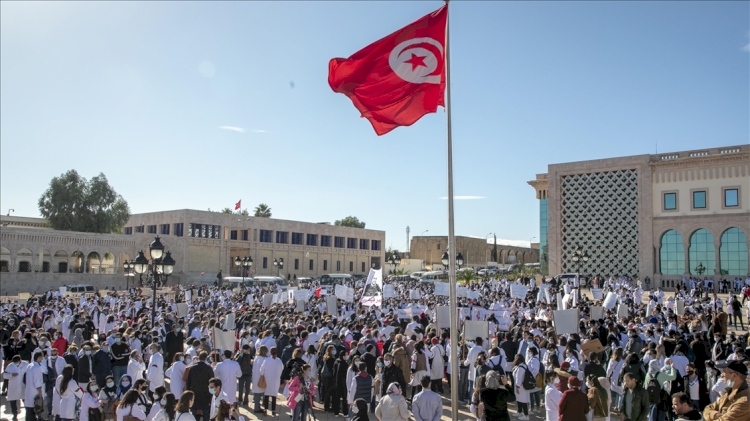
x: 394, y: 261
x: 580, y: 258
x: 279, y: 264
x: 700, y: 269
x: 459, y: 259
x: 161, y: 264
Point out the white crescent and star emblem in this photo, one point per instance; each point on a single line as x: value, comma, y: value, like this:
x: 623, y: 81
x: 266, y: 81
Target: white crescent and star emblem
x: 416, y: 64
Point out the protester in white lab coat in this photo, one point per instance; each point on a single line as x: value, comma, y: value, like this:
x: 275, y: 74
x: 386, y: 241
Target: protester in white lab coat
x: 66, y: 391
x: 229, y: 371
x: 175, y: 373
x: 136, y: 367
x: 90, y: 402
x: 14, y: 374
x: 155, y: 372
x: 34, y: 384
x: 522, y: 395
x: 271, y: 370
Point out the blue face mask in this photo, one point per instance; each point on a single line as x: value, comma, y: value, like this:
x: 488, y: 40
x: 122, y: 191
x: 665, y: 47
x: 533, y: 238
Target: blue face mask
x: 309, y: 373
x: 211, y: 390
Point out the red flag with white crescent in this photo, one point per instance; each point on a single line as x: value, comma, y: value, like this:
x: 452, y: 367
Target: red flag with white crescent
x: 397, y: 79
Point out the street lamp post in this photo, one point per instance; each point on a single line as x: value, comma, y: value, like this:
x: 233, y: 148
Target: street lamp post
x: 161, y: 264
x: 459, y: 260
x: 247, y: 264
x: 700, y: 269
x: 580, y: 258
x: 425, y: 247
x: 279, y: 264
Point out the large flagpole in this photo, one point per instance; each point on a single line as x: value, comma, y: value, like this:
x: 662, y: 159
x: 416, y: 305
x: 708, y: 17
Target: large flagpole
x: 452, y: 301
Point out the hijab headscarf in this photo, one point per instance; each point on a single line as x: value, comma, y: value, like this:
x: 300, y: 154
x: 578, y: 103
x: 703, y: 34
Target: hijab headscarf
x: 121, y: 390
x: 653, y: 367
x: 394, y: 389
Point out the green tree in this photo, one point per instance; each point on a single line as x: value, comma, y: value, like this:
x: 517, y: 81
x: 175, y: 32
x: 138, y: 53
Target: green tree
x: 350, y: 221
x: 244, y: 212
x: 73, y: 203
x: 466, y: 276
x: 227, y: 210
x: 390, y: 252
x: 262, y: 211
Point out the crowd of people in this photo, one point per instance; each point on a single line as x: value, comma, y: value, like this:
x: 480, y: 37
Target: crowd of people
x: 658, y: 358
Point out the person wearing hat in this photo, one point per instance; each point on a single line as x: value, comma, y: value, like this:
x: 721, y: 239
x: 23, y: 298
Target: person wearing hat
x: 735, y: 403
x: 564, y: 373
x: 574, y: 404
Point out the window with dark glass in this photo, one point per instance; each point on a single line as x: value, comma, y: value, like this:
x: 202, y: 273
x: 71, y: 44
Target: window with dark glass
x: 245, y: 235
x: 164, y: 229
x: 670, y: 201
x: 731, y: 198
x: 265, y: 236
x: 351, y: 266
x: 128, y: 230
x: 282, y: 237
x: 338, y: 265
x: 325, y: 264
x: 375, y: 245
x: 178, y: 229
x: 351, y: 243
x: 338, y: 242
x: 152, y: 229
x: 139, y: 228
x: 296, y: 264
x: 265, y: 263
x: 233, y: 234
x: 325, y: 241
x: 363, y: 266
x: 311, y: 264
x: 364, y: 244
x: 297, y: 238
x: 312, y: 240
x: 699, y: 199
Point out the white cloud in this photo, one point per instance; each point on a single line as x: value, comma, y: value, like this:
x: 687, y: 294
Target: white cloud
x: 746, y: 48
x: 512, y: 243
x: 258, y: 131
x: 463, y: 197
x: 232, y: 128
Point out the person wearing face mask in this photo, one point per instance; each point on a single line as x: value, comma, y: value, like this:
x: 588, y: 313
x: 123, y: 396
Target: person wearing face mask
x: 175, y: 373
x: 391, y: 374
x: 301, y: 393
x: 91, y: 407
x: 120, y: 353
x: 14, y: 374
x: 157, y: 406
x: 108, y: 398
x: 552, y: 396
x: 136, y: 367
x: 174, y: 341
x: 735, y: 403
x: 155, y: 371
x: 55, y: 365
x: 695, y: 387
x: 102, y: 363
x: 168, y: 405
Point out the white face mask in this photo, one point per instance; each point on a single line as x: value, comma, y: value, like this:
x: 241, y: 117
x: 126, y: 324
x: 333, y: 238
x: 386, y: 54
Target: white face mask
x: 556, y: 381
x: 387, y: 363
x: 355, y: 410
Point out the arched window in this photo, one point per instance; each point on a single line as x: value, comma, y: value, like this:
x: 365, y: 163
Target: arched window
x: 672, y: 254
x: 702, y: 252
x: 733, y: 252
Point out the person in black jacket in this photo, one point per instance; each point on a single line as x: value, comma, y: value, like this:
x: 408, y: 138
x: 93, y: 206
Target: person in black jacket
x: 198, y: 375
x: 391, y: 374
x: 287, y: 353
x: 174, y: 341
x: 102, y: 363
x: 340, y: 388
x: 245, y: 360
x: 293, y: 365
x: 327, y: 383
x: 593, y: 367
x: 85, y: 366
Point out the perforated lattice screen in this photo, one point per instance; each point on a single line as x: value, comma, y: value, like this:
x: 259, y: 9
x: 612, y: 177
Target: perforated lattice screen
x: 600, y: 214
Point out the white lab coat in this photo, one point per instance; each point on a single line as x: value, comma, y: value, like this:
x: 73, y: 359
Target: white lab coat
x: 66, y: 400
x: 438, y: 365
x: 155, y: 373
x: 271, y: 369
x: 552, y: 398
x: 87, y: 402
x: 135, y: 411
x: 228, y: 371
x: 15, y: 383
x: 522, y: 395
x: 135, y: 370
x: 257, y: 364
x: 175, y: 373
x: 34, y: 381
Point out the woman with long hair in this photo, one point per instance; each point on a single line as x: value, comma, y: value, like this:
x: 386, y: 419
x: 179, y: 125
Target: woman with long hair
x: 141, y: 386
x: 613, y: 374
x: 327, y: 380
x: 129, y: 406
x: 597, y: 395
x: 301, y: 393
x: 157, y: 406
x: 168, y: 410
x: 522, y: 395
x: 65, y: 393
x: 266, y: 339
x: 478, y: 386
x: 420, y: 364
x: 183, y: 407
x: 175, y: 372
x: 90, y: 404
x: 310, y: 358
x: 257, y: 390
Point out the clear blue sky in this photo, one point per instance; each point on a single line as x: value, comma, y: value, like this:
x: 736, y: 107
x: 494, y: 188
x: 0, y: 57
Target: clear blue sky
x: 139, y: 91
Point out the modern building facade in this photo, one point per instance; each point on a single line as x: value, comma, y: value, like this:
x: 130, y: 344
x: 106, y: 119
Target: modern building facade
x: 664, y: 216
x: 475, y: 251
x: 34, y: 258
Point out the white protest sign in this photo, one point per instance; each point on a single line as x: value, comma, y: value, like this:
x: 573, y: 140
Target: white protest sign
x: 443, y: 317
x: 559, y: 301
x: 472, y: 295
x: 441, y: 289
x: 300, y: 306
x: 474, y: 329
x: 332, y: 307
x: 680, y: 308
x: 461, y: 292
x: 597, y: 294
x: 229, y: 321
x: 610, y: 301
x: 622, y: 311
x: 404, y: 313
x: 63, y: 290
x: 182, y: 309
x: 388, y: 291
x: 250, y: 299
x: 372, y: 293
x: 302, y: 295
x: 267, y: 300
x: 566, y: 321
x: 597, y: 312
x: 415, y: 294
x: 349, y: 296
x: 224, y: 340
x: 189, y: 295
x: 340, y: 291
x: 518, y: 291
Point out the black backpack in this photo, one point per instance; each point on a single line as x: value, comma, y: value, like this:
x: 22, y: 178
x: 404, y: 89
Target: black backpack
x: 656, y: 394
x: 499, y: 367
x: 529, y: 382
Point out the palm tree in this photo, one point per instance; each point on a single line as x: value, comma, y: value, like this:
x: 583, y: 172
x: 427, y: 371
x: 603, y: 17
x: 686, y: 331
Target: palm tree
x: 262, y: 211
x: 466, y: 276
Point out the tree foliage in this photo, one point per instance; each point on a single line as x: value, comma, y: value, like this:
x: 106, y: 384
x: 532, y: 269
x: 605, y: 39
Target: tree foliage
x: 262, y: 211
x: 466, y: 276
x: 350, y: 221
x: 227, y: 210
x: 73, y: 203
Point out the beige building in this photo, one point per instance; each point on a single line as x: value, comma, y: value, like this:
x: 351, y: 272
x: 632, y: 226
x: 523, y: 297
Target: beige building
x: 475, y: 251
x: 34, y: 258
x: 664, y: 216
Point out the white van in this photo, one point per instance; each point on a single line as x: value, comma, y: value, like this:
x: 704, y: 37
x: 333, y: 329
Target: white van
x: 269, y: 281
x: 235, y: 281
x: 328, y: 281
x: 417, y: 275
x: 434, y: 276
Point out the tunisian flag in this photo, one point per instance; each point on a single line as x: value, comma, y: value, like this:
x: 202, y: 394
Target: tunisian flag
x: 397, y: 79
x: 238, y: 205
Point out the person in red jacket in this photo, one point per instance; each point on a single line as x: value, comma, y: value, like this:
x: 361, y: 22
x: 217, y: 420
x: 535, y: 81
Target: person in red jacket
x: 574, y: 404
